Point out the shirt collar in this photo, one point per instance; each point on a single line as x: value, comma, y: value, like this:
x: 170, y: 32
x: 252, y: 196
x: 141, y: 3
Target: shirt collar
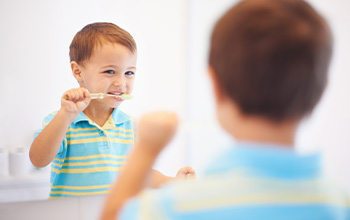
x: 267, y: 160
x: 80, y: 117
x: 118, y: 117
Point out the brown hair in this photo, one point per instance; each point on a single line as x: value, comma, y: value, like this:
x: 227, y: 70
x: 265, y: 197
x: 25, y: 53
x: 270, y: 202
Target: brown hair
x: 95, y: 34
x: 271, y: 57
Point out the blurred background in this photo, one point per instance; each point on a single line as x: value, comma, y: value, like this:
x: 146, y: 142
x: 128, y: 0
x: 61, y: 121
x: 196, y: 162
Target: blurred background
x: 172, y: 38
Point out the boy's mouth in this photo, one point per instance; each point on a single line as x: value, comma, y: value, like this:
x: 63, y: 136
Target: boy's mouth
x: 115, y: 93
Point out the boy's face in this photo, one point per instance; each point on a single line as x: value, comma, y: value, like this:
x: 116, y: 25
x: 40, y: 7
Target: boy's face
x: 111, y: 69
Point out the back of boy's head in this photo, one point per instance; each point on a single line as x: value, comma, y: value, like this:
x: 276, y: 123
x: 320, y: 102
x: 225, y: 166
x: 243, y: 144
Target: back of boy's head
x: 271, y: 57
x: 95, y: 35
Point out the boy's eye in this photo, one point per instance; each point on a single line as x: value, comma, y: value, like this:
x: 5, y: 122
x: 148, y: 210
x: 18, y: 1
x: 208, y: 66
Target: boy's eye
x: 109, y: 71
x: 129, y: 73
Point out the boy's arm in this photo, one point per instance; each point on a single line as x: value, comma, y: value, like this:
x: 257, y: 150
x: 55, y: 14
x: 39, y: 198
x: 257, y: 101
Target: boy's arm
x: 155, y: 131
x: 158, y: 179
x: 47, y: 143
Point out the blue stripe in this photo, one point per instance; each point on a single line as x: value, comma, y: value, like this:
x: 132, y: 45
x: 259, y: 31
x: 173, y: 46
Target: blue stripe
x: 95, y: 159
x: 71, y: 132
x: 268, y: 160
x: 305, y: 212
x: 82, y: 190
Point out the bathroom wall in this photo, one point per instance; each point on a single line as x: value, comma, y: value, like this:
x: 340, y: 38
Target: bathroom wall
x: 329, y: 128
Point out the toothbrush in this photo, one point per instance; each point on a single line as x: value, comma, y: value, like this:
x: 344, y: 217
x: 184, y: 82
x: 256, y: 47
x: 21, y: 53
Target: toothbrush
x: 103, y: 95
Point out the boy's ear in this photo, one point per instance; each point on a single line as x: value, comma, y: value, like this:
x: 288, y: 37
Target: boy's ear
x: 218, y: 92
x: 76, y: 70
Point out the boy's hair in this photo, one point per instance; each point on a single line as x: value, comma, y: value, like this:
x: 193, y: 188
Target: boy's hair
x: 96, y: 34
x: 271, y: 57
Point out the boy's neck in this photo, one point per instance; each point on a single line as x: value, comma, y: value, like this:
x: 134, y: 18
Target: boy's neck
x: 255, y: 128
x: 97, y: 114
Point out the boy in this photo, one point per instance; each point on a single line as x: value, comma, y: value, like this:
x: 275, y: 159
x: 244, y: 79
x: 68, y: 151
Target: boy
x: 88, y: 141
x: 268, y: 65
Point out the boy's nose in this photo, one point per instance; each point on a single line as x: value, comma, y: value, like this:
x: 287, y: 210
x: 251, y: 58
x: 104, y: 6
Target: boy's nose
x: 119, y: 82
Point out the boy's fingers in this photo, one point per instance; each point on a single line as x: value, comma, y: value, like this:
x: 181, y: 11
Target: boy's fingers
x: 190, y: 176
x: 189, y: 169
x: 86, y: 93
x: 76, y: 95
x: 82, y: 96
x: 68, y: 96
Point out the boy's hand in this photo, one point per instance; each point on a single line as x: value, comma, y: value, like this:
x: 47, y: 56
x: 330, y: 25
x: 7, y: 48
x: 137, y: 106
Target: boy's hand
x: 185, y: 173
x: 75, y: 100
x: 155, y: 130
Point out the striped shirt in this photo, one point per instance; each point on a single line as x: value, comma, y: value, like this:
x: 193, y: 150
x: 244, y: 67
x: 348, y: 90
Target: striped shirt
x: 90, y: 157
x: 250, y: 181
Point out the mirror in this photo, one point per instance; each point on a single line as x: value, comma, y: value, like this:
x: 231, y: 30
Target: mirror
x: 36, y: 71
x: 172, y: 40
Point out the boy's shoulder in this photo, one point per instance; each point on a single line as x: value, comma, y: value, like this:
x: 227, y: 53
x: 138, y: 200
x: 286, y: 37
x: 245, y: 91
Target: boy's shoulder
x: 49, y: 117
x: 117, y: 115
x: 122, y: 116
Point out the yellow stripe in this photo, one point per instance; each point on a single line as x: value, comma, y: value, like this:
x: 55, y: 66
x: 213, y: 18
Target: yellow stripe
x: 119, y: 134
x: 91, y: 170
x: 97, y: 133
x: 60, y: 160
x: 92, y: 140
x: 95, y: 162
x: 56, y: 164
x: 96, y: 129
x: 55, y: 170
x: 97, y: 156
x: 78, y: 194
x: 65, y: 143
x: 82, y: 187
x: 254, y: 200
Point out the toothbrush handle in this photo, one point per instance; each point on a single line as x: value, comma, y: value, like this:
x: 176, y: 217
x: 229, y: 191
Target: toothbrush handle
x: 97, y: 95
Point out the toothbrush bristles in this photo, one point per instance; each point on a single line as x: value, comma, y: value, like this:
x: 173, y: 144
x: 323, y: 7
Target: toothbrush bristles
x: 102, y: 95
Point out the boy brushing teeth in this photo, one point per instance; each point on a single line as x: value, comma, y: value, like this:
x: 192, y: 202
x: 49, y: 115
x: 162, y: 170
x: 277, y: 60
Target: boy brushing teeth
x: 88, y: 140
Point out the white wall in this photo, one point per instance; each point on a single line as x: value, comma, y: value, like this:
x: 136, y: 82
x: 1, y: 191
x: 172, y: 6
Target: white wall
x: 329, y: 128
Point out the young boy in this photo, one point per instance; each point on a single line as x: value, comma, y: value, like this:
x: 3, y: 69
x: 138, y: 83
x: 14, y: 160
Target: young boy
x: 268, y: 64
x: 88, y: 141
